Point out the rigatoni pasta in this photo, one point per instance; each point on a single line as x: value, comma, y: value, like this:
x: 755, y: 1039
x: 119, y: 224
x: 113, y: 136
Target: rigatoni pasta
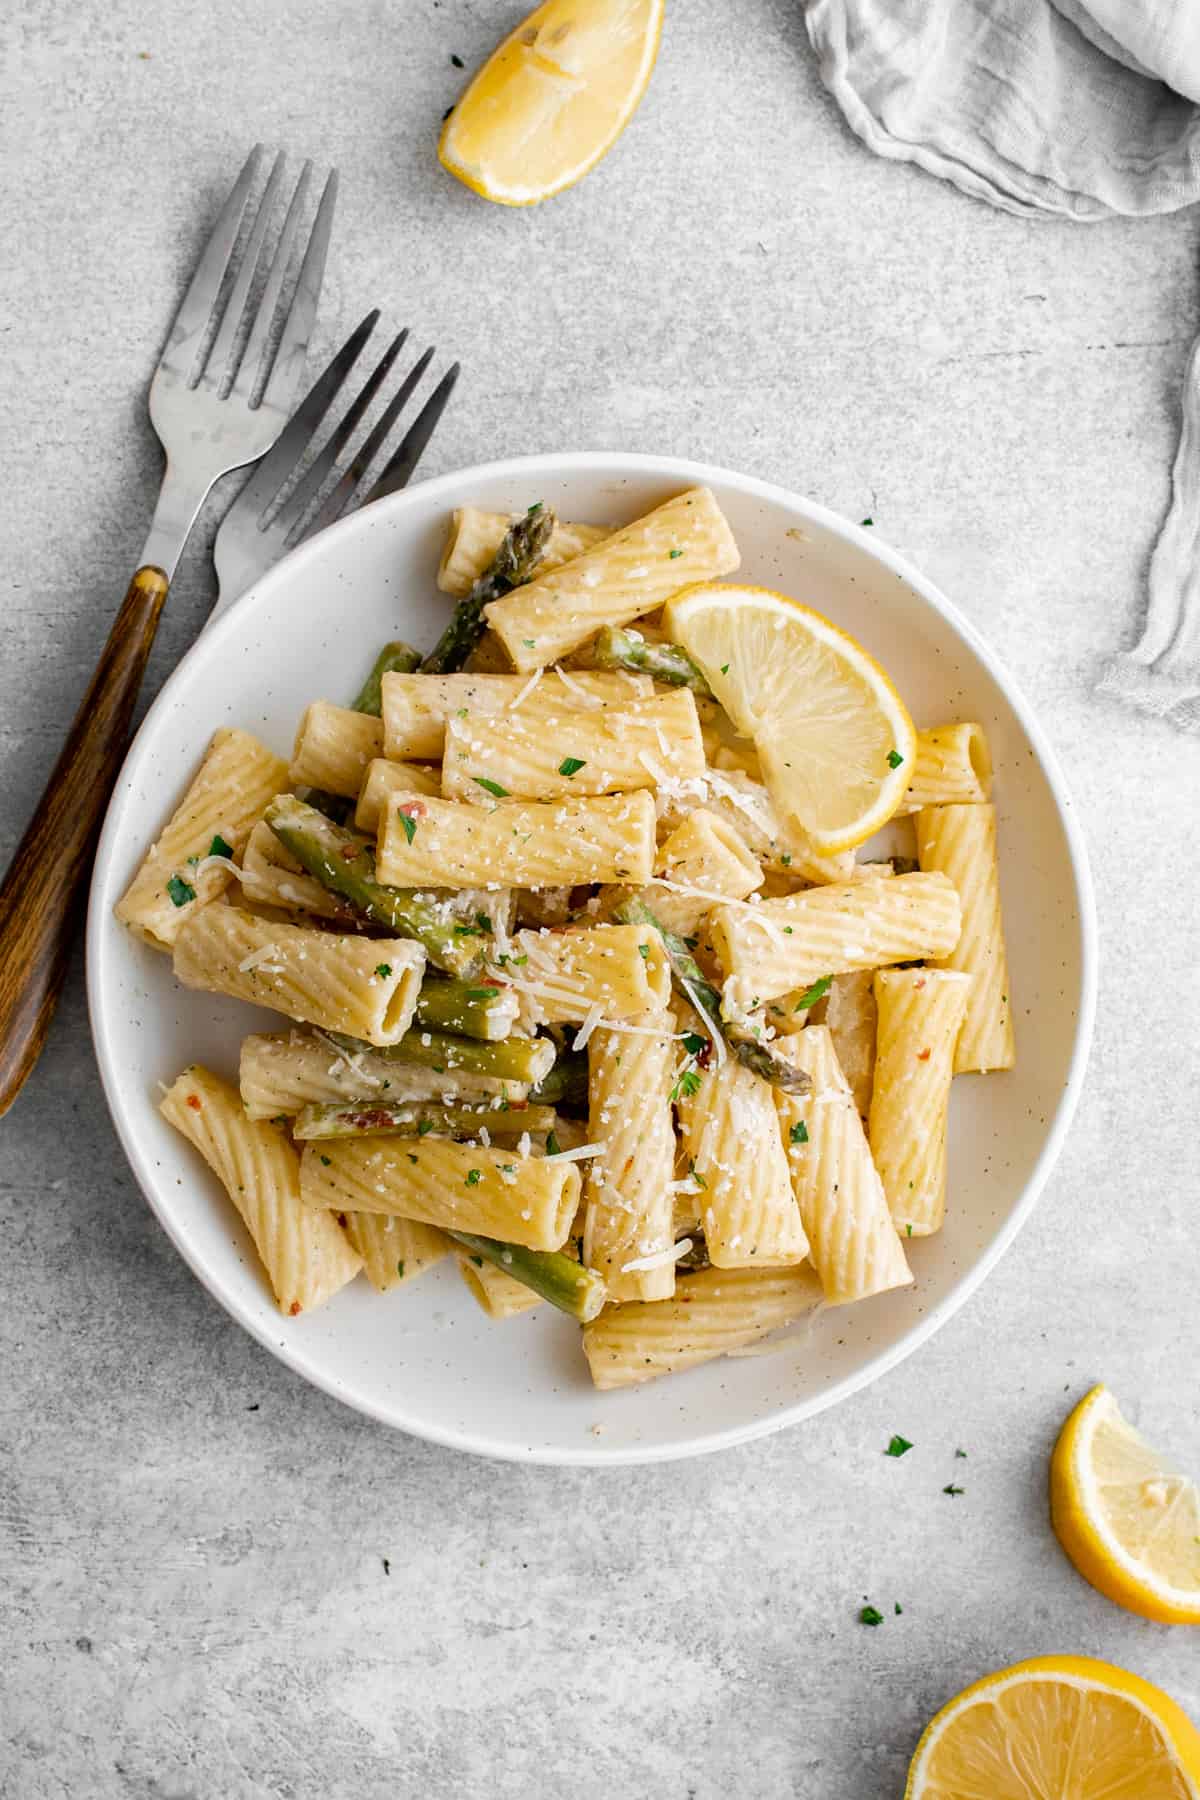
x: 579, y: 1011
x: 366, y: 987
x: 921, y: 1013
x: 855, y: 1247
x: 306, y: 1255
x: 959, y: 842
x: 190, y: 863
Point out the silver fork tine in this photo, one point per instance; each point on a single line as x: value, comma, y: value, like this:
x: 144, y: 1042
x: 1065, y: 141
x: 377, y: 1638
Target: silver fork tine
x: 315, y: 476
x: 219, y: 362
x: 288, y: 368
x: 337, y: 501
x: 274, y: 469
x: 253, y: 365
x: 397, y: 472
x: 195, y: 313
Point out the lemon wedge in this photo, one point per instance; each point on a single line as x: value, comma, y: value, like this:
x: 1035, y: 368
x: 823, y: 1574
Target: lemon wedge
x: 1066, y: 1726
x: 552, y: 99
x: 833, y: 738
x: 1126, y: 1518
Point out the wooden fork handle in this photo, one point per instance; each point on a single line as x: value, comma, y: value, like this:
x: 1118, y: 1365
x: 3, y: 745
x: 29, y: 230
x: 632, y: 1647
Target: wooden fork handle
x: 41, y: 892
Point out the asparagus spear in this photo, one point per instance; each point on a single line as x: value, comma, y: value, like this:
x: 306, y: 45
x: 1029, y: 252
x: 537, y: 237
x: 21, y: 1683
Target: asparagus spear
x: 344, y: 862
x: 566, y: 1084
x: 409, y: 1118
x: 564, y: 1283
x: 479, y: 1011
x: 516, y: 1059
x: 397, y: 657
x: 521, y: 550
x: 695, y: 986
x: 613, y: 648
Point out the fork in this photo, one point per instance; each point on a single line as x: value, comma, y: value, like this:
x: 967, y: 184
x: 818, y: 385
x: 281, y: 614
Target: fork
x: 220, y: 397
x: 253, y: 536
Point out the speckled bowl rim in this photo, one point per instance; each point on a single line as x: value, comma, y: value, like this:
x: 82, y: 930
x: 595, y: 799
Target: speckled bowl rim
x: 524, y: 473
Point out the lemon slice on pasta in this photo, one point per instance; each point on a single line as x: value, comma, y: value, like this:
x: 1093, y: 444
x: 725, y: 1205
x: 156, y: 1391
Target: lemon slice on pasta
x: 834, y: 740
x: 552, y: 99
x: 1126, y: 1518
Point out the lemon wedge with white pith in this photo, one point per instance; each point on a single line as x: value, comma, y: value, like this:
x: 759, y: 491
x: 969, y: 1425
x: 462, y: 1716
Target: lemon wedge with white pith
x: 833, y: 737
x: 1066, y: 1727
x: 1128, y: 1520
x: 552, y: 99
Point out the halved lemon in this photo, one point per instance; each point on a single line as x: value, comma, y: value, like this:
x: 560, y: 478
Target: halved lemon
x: 552, y: 99
x: 1128, y: 1520
x: 1063, y: 1726
x: 833, y: 737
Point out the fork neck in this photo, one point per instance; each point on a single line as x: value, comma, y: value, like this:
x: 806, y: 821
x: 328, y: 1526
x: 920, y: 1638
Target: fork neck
x: 180, y: 499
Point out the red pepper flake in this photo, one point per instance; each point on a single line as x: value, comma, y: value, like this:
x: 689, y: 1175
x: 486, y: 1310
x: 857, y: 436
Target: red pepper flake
x: 193, y: 1101
x: 412, y: 809
x: 918, y: 985
x: 349, y: 852
x: 341, y: 1219
x: 922, y: 1056
x: 294, y: 1308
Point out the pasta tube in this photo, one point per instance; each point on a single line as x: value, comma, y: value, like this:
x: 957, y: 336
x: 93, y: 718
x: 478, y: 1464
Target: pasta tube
x: 528, y: 1200
x: 282, y: 1073
x: 608, y: 751
x: 953, y: 766
x: 392, y: 1250
x: 768, y: 949
x: 306, y: 1255
x: 960, y: 843
x: 731, y: 1136
x: 627, y: 1232
x: 778, y: 844
x: 383, y: 778
x: 364, y: 986
x: 703, y: 861
x: 500, y: 1294
x: 632, y: 572
x: 417, y: 707
x: 474, y: 536
x: 855, y: 1247
x: 921, y: 1012
x: 560, y: 977
x: 334, y: 746
x: 517, y: 843
x: 714, y: 1313
x: 272, y: 876
x: 189, y: 864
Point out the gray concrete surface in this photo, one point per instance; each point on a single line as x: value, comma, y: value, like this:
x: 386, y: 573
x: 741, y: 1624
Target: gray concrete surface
x: 217, y: 1583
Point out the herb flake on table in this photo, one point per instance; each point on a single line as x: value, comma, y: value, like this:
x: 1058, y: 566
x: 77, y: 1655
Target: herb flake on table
x: 899, y: 1446
x: 870, y: 1615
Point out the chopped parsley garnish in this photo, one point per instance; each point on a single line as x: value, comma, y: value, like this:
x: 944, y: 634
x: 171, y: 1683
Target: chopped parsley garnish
x: 571, y: 765
x: 674, y: 553
x: 408, y: 825
x: 894, y: 759
x: 411, y: 1157
x: 533, y: 511
x: 951, y: 1489
x: 868, y: 521
x: 508, y: 1168
x: 457, y: 61
x: 644, y: 952
x: 899, y: 1446
x: 899, y: 1609
x: 799, y: 1132
x: 400, y: 1272
x: 219, y: 847
x: 724, y: 668
x: 529, y: 642
x: 786, y: 859
x: 424, y: 1127
x: 180, y: 891
x: 383, y: 970
x: 908, y: 1231
x: 484, y: 923
x: 461, y: 713
x: 325, y: 1160
x: 960, y: 1453
x: 553, y: 1147
x: 466, y: 931
x: 474, y: 1177
x: 688, y: 1083
x: 693, y: 1043
x: 695, y: 1174
x: 812, y: 994
x: 482, y: 993
x: 490, y: 787
x: 871, y: 1615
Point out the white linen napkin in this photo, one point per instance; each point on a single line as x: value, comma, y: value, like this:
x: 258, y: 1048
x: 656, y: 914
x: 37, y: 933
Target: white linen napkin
x: 1084, y: 108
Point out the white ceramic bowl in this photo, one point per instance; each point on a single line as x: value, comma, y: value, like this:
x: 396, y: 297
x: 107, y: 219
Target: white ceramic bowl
x: 425, y: 1358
